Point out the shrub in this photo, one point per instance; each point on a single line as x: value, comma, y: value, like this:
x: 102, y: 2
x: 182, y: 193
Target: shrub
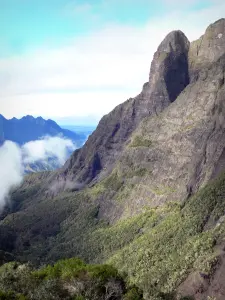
x: 140, y: 141
x: 133, y: 294
x: 113, y: 182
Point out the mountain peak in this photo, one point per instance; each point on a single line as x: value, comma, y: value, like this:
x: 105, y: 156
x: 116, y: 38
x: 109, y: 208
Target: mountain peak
x: 216, y: 33
x: 27, y: 117
x: 220, y: 22
x: 174, y: 41
x: 168, y: 77
x: 208, y: 48
x: 169, y: 67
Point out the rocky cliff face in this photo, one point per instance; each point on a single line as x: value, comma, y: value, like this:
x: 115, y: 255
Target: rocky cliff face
x: 182, y: 148
x: 193, y: 75
x: 208, y: 48
x: 168, y: 77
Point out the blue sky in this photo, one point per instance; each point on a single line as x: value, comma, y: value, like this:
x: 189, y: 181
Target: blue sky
x: 75, y: 60
x: 26, y: 24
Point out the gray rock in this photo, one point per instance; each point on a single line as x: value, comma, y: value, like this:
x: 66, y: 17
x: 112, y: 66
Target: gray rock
x: 168, y: 77
x: 208, y: 48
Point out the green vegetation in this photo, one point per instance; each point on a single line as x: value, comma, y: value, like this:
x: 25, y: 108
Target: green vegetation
x: 163, y: 256
x: 107, y: 240
x: 137, y: 171
x: 113, y: 181
x: 163, y: 55
x: 157, y: 248
x: 187, y: 127
x: 11, y: 296
x: 67, y: 279
x: 163, y: 190
x: 96, y: 190
x: 140, y: 141
x: 124, y: 193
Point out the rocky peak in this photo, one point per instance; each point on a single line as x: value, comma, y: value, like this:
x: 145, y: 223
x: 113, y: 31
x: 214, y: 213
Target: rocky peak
x: 169, y: 69
x: 208, y: 48
x: 175, y: 62
x: 175, y: 44
x: 168, y: 77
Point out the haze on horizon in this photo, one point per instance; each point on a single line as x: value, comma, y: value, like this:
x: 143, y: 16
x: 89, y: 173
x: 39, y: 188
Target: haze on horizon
x: 74, y: 61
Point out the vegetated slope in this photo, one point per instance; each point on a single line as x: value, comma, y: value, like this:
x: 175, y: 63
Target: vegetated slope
x: 29, y: 129
x: 70, y: 279
x: 157, y: 248
x: 150, y: 207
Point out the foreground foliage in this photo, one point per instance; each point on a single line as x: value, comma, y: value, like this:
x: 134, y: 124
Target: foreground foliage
x: 157, y: 248
x: 68, y: 279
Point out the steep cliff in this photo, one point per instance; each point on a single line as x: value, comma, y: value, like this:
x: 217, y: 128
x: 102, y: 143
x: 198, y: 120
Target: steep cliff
x: 168, y: 77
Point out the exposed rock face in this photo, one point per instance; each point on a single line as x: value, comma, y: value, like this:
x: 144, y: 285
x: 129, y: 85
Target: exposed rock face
x: 208, y: 48
x: 186, y: 136
x: 169, y: 69
x: 201, y: 286
x: 168, y: 77
x: 186, y: 145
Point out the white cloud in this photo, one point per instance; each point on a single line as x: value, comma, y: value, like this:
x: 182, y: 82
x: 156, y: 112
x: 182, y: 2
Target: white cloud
x: 11, y: 169
x: 13, y: 158
x: 40, y: 150
x: 92, y: 74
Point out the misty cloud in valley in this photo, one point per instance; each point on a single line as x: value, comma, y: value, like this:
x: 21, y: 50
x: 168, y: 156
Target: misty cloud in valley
x: 13, y: 159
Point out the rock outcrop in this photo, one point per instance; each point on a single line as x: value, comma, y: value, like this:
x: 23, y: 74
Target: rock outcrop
x: 180, y: 111
x: 168, y: 77
x: 178, y: 70
x: 208, y: 48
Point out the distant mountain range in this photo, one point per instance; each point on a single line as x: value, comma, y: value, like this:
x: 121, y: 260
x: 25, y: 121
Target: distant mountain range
x: 88, y: 129
x: 29, y: 129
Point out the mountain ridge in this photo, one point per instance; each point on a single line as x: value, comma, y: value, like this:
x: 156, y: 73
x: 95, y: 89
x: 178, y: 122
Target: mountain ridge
x: 106, y: 143
x: 29, y: 128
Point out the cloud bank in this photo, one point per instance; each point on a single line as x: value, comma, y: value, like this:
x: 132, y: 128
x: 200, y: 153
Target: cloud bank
x: 11, y: 169
x: 13, y: 158
x: 41, y: 150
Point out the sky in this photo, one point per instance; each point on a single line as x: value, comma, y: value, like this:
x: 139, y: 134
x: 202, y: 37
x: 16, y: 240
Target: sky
x: 75, y: 60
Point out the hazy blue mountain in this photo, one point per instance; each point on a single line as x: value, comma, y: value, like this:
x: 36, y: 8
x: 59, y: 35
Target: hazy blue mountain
x: 29, y: 128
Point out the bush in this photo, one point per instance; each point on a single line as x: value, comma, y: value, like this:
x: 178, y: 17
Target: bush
x: 67, y: 279
x: 140, y: 141
x: 113, y: 182
x: 133, y: 294
x: 11, y: 296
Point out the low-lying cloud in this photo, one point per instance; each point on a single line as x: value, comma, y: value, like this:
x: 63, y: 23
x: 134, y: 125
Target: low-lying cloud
x: 11, y: 170
x: 41, y: 150
x: 13, y: 159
